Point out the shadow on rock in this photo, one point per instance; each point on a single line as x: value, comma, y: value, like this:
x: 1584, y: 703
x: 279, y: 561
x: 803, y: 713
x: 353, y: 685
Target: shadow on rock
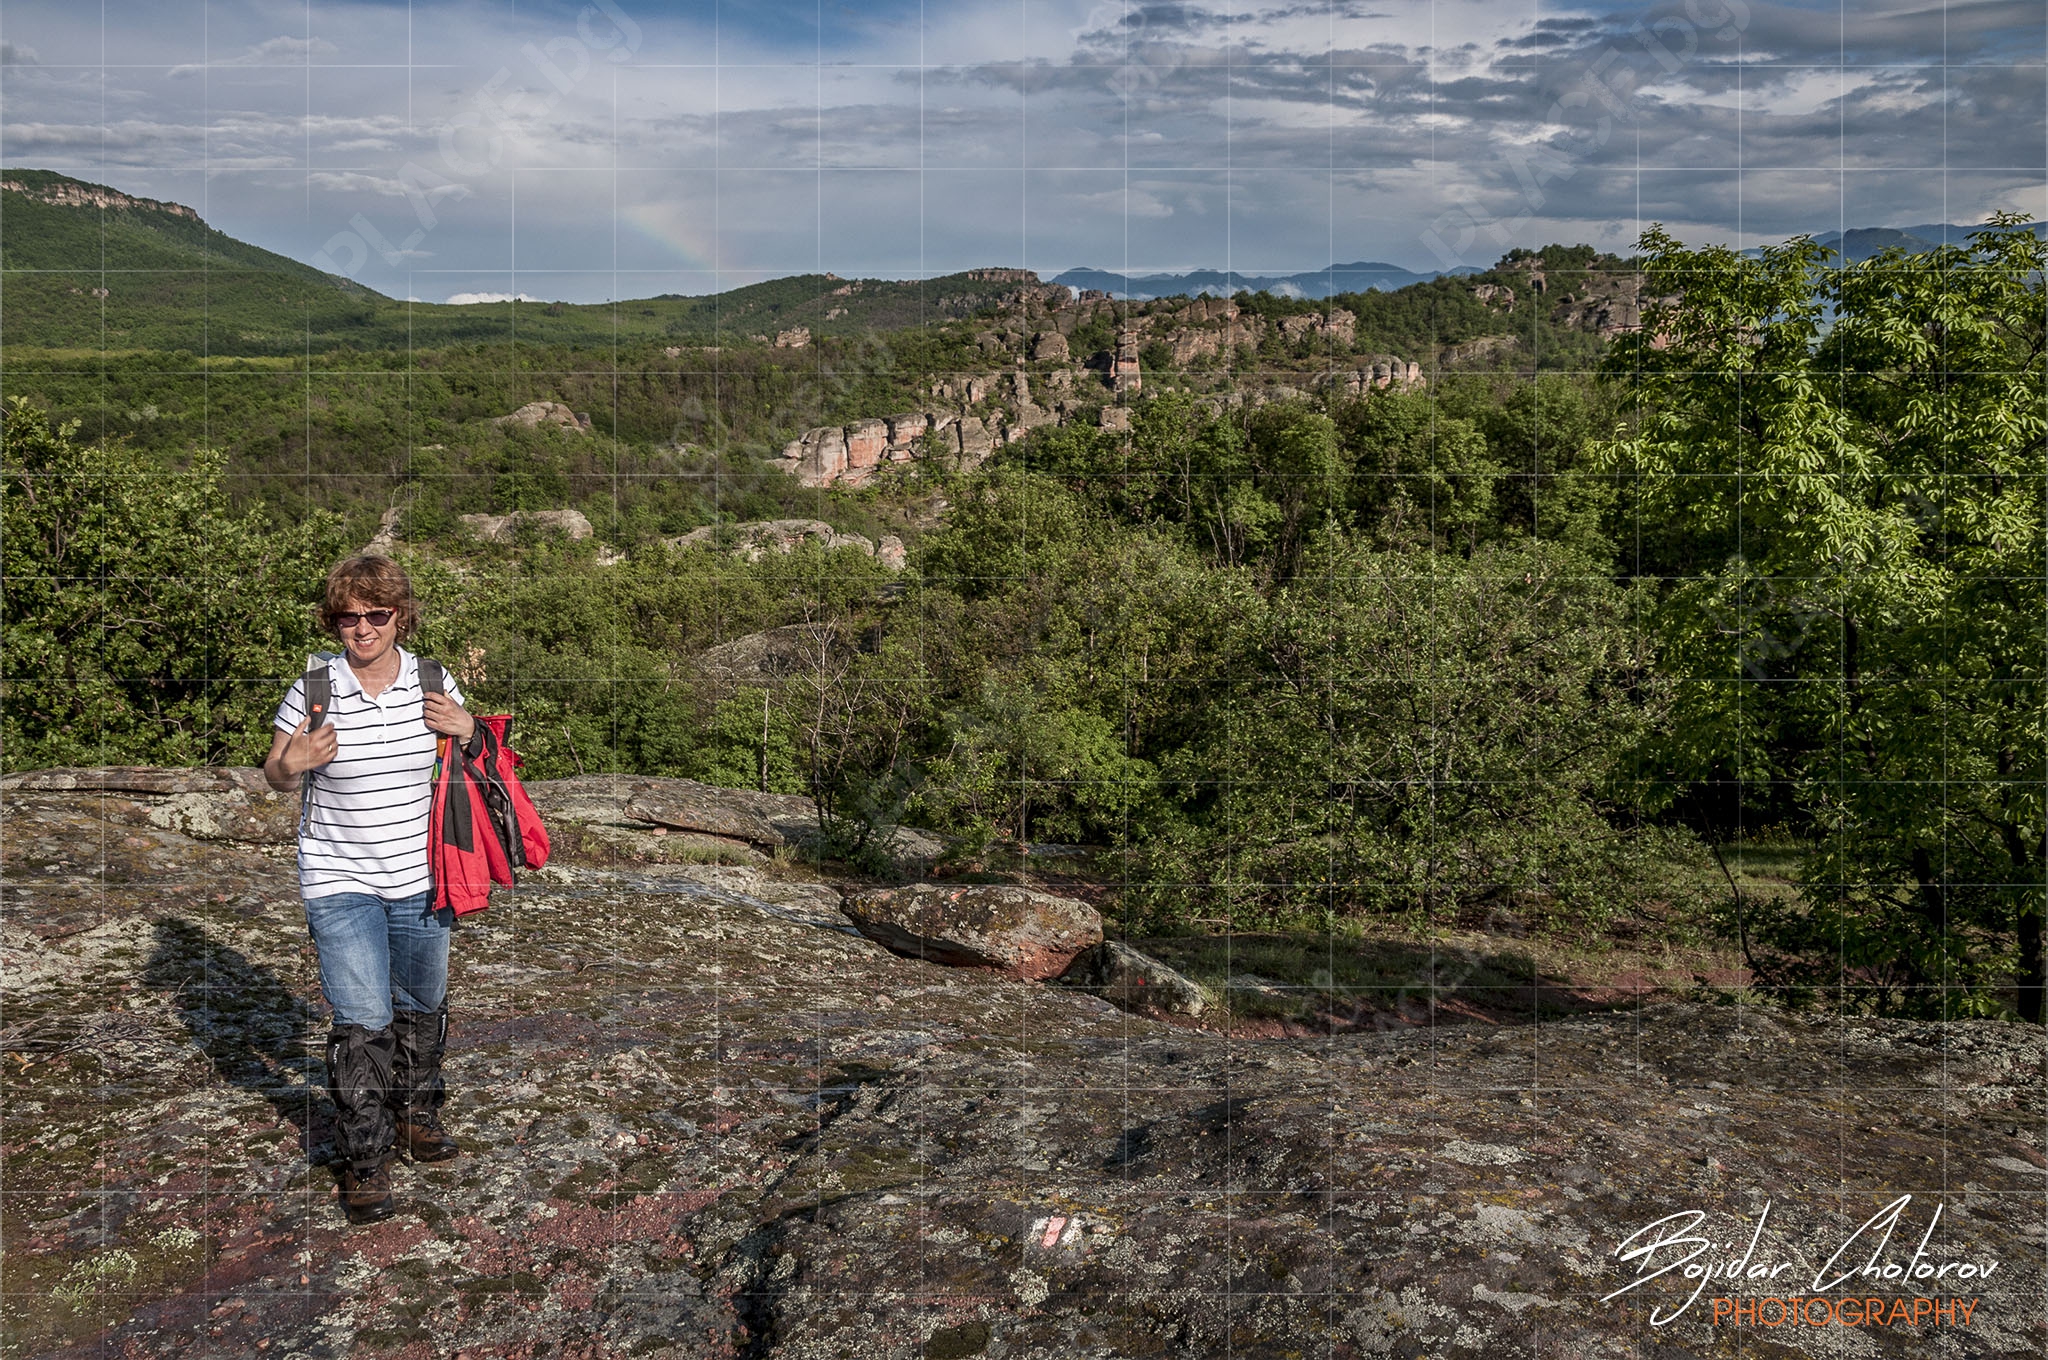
x: 1278, y: 983
x: 251, y: 1026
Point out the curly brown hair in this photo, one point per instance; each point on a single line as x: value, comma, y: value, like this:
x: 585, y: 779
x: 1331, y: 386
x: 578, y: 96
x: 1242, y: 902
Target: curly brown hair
x: 376, y: 581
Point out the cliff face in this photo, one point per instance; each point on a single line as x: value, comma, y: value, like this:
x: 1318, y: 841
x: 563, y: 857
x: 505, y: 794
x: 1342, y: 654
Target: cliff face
x: 704, y: 1117
x: 66, y: 194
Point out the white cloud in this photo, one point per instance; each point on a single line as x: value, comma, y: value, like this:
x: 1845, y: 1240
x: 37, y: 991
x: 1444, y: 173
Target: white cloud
x: 465, y: 299
x: 1064, y: 132
x: 282, y: 51
x: 354, y: 182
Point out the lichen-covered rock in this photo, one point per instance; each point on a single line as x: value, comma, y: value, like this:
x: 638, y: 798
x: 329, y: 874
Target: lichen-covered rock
x: 505, y: 528
x: 551, y: 413
x: 690, y: 806
x: 765, y: 658
x: 1137, y: 982
x: 755, y: 538
x: 233, y: 804
x: 1049, y: 347
x: 1019, y: 931
x: 604, y: 800
x: 701, y: 1122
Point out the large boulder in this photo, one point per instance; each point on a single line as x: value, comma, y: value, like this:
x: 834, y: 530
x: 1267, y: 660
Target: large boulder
x: 553, y: 414
x: 629, y: 801
x: 756, y: 537
x: 817, y: 457
x: 867, y: 441
x: 977, y: 441
x: 1049, y: 347
x: 505, y: 528
x: 686, y: 805
x: 764, y: 658
x: 1018, y: 931
x: 1137, y: 982
x: 205, y: 804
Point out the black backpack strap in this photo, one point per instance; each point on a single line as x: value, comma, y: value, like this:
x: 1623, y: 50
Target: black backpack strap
x: 319, y: 687
x: 319, y: 690
x: 433, y: 678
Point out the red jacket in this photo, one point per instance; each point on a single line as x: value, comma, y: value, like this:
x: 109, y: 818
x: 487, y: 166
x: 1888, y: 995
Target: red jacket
x: 481, y: 825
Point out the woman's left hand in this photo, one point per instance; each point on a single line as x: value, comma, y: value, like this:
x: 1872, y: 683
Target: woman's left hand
x: 449, y: 718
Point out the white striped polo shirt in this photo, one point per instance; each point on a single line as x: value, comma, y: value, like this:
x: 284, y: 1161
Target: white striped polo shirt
x: 366, y: 823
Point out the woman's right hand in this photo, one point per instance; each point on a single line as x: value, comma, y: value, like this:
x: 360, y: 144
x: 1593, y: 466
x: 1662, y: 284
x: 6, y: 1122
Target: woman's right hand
x: 305, y: 751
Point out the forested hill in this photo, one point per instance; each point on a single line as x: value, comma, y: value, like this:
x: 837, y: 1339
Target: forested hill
x: 50, y: 221
x: 88, y: 266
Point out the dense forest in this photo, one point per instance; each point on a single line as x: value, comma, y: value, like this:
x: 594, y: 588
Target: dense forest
x: 1526, y: 642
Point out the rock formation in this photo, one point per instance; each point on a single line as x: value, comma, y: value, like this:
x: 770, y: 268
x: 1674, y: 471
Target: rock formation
x: 1135, y: 981
x: 756, y: 537
x: 384, y: 543
x: 796, y: 337
x: 1376, y: 373
x: 1017, y: 931
x: 851, y: 454
x: 93, y: 196
x: 1049, y: 347
x: 551, y: 413
x: 506, y: 528
x: 1209, y: 326
x: 766, y: 658
x: 703, y: 1116
x: 1339, y: 327
x: 689, y: 806
x: 1123, y: 373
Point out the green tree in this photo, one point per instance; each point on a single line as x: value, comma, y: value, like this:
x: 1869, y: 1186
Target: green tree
x: 143, y: 622
x: 746, y: 744
x: 1864, y: 445
x: 1539, y: 434
x: 1421, y: 476
x: 1416, y: 732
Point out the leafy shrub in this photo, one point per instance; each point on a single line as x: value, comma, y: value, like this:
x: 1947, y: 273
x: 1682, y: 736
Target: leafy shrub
x: 143, y: 622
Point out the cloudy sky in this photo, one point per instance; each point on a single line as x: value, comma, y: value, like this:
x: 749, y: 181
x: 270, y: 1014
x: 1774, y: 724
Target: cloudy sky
x: 622, y: 148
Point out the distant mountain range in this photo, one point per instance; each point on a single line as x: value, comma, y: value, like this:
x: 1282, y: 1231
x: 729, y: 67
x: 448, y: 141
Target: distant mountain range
x: 1860, y: 243
x: 1320, y: 283
x: 1855, y: 245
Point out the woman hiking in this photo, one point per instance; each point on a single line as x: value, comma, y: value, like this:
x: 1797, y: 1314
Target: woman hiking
x: 364, y: 878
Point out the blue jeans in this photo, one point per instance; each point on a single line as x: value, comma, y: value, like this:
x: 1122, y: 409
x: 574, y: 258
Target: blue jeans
x: 375, y: 952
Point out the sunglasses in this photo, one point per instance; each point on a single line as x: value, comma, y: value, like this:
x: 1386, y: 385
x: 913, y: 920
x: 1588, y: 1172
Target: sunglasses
x: 376, y: 618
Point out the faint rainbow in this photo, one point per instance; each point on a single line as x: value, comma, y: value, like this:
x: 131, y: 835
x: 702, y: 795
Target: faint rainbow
x: 685, y: 229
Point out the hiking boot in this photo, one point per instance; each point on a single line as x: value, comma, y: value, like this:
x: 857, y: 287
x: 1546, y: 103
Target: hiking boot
x: 424, y: 1140
x: 366, y: 1195
x: 417, y: 1090
x: 359, y: 1082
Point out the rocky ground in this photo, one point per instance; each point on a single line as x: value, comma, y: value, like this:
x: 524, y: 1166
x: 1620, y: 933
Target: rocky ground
x: 705, y: 1117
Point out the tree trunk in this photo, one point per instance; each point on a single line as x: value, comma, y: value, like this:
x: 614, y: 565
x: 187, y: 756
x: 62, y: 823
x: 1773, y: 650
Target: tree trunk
x: 2030, y: 989
x: 2027, y: 917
